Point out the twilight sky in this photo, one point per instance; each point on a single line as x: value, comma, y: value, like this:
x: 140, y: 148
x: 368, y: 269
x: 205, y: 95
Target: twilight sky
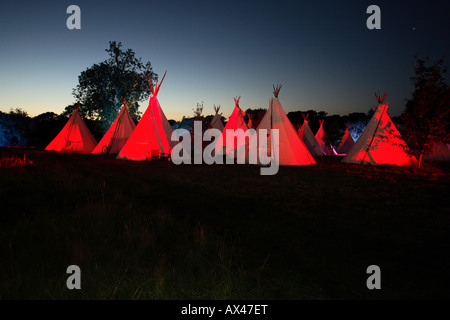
x: 320, y: 51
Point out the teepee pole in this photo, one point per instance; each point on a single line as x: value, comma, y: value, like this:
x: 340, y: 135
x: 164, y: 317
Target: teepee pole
x: 154, y: 92
x: 150, y: 84
x: 272, y: 154
x: 236, y: 103
x: 155, y: 129
x: 159, y: 85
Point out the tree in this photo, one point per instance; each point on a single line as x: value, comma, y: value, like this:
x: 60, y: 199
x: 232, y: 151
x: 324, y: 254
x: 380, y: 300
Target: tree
x: 335, y: 129
x: 15, y: 128
x: 44, y: 128
x: 427, y: 114
x: 103, y: 87
x: 3, y: 136
x: 198, y: 111
x: 296, y: 118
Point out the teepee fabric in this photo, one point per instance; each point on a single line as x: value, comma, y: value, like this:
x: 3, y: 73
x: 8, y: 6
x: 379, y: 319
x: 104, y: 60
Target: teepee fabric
x: 380, y: 143
x: 117, y: 135
x: 235, y: 122
x: 439, y: 152
x: 74, y: 137
x: 321, y: 137
x: 346, y: 142
x: 309, y: 139
x: 151, y: 137
x: 168, y: 130
x: 292, y: 150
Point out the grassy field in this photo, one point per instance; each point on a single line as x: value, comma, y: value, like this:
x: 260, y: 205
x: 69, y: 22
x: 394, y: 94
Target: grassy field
x: 155, y: 230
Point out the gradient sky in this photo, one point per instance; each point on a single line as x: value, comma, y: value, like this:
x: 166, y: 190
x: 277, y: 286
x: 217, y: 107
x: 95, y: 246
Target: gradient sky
x: 320, y: 51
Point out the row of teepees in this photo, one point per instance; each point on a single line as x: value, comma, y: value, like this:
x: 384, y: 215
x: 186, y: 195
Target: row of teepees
x: 319, y: 145
x: 150, y: 138
x: 379, y: 144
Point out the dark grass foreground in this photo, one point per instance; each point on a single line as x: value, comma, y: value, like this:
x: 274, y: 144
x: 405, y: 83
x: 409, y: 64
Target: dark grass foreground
x: 160, y: 231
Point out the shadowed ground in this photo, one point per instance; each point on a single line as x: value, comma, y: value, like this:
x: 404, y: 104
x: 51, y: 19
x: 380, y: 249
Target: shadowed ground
x: 154, y: 230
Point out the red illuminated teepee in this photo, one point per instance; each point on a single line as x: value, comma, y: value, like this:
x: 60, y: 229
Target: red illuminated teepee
x: 118, y: 134
x: 151, y: 139
x: 346, y: 142
x: 292, y: 150
x: 308, y: 138
x: 235, y: 122
x: 323, y: 141
x: 380, y: 143
x: 74, y: 137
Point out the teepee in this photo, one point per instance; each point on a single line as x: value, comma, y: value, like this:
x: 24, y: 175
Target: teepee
x: 151, y: 139
x: 118, y: 134
x: 249, y: 123
x: 323, y: 141
x: 235, y: 122
x: 292, y: 150
x: 380, y: 143
x: 308, y: 138
x: 439, y: 152
x: 74, y: 137
x: 216, y: 122
x: 346, y: 142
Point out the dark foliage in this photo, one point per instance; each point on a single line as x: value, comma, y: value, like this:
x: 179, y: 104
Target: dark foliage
x: 103, y: 87
x: 427, y: 113
x: 15, y: 127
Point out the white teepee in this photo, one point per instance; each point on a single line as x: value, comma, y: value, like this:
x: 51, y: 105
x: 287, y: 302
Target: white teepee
x: 118, y: 134
x: 216, y: 122
x: 308, y: 138
x: 346, y: 142
x: 380, y: 143
x: 292, y: 150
